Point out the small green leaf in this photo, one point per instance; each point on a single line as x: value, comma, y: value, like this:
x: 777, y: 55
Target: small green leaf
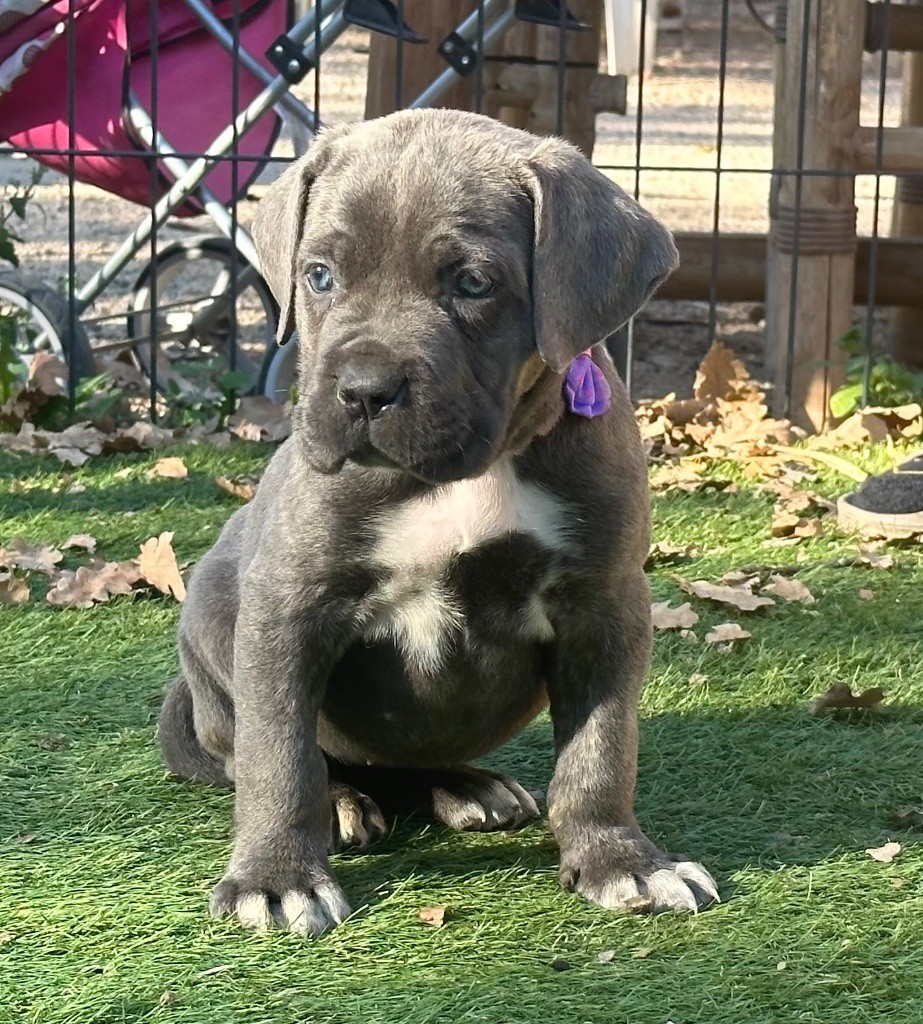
x: 844, y: 400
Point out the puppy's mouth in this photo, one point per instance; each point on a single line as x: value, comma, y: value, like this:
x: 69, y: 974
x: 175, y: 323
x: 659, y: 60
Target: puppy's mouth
x: 372, y: 458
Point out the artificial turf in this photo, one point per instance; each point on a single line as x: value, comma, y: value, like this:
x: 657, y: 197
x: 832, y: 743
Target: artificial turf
x: 106, y: 864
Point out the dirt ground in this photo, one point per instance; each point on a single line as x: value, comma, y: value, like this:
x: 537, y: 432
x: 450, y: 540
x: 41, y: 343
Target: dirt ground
x: 680, y: 102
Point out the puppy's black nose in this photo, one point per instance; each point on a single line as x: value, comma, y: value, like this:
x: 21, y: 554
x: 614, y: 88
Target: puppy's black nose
x: 368, y: 392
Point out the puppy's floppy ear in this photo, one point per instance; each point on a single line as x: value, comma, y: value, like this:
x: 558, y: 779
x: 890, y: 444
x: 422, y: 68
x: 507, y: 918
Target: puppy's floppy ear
x: 597, y: 256
x: 279, y: 222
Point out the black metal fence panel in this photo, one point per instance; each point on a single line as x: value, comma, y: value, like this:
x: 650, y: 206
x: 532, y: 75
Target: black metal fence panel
x: 782, y: 143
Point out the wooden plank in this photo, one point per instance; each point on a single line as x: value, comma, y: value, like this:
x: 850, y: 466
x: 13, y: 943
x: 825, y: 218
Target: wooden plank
x: 902, y: 148
x: 742, y: 270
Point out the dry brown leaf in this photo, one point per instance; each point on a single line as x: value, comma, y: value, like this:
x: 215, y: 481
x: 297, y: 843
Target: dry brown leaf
x: 173, y: 467
x: 718, y: 374
x: 866, y: 594
x: 259, y: 418
x: 665, y: 617
x: 157, y: 564
x: 13, y: 589
x: 789, y: 589
x: 140, y: 436
x: 83, y: 541
x: 875, y: 559
x: 840, y: 695
x: 434, y: 916
x: 884, y: 854
x: 93, y: 584
x: 241, y: 487
x: 784, y: 523
x: 22, y: 554
x: 727, y: 632
x: 739, y: 597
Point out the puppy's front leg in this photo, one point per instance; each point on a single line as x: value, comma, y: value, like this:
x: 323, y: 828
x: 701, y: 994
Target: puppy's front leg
x: 601, y: 659
x: 279, y: 874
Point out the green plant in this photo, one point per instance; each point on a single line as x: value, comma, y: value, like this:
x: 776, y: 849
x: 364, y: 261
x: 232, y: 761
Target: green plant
x: 13, y: 204
x: 889, y: 383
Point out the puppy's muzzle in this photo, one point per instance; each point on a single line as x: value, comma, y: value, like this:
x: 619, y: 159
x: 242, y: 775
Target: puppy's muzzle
x: 367, y: 392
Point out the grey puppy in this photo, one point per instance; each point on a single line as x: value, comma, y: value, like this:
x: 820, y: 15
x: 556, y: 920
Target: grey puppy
x: 440, y: 550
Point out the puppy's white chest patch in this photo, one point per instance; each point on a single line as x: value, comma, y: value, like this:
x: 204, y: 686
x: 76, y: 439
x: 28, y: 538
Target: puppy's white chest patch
x: 416, y: 607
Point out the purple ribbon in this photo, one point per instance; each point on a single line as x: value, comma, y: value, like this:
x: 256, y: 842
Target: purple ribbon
x: 586, y: 390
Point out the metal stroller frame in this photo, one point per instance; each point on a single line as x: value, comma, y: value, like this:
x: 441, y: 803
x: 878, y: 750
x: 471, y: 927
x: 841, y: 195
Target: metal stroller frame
x: 293, y: 55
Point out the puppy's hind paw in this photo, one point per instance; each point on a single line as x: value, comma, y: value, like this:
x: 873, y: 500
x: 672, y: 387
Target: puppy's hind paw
x: 355, y: 820
x: 478, y: 801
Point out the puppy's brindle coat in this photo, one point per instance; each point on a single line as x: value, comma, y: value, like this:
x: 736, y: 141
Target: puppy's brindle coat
x: 440, y: 550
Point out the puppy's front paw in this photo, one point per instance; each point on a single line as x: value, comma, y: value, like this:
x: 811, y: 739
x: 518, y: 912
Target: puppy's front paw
x: 619, y: 868
x: 299, y: 904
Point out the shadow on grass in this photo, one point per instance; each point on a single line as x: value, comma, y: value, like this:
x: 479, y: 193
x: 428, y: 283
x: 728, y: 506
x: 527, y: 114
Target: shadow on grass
x: 767, y: 788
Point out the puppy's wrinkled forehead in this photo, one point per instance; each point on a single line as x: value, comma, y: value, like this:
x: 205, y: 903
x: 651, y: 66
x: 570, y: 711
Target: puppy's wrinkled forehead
x: 420, y: 203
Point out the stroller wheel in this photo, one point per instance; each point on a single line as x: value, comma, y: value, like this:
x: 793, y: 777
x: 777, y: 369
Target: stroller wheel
x: 279, y: 375
x: 39, y: 318
x: 212, y: 328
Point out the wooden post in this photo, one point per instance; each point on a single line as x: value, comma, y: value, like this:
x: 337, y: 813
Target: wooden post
x: 421, y: 63
x: 905, y: 329
x: 522, y: 94
x: 815, y: 245
x: 582, y: 54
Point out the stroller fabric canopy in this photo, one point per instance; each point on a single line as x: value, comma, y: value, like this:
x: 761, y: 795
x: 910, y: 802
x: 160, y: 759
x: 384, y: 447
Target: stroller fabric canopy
x: 187, y: 79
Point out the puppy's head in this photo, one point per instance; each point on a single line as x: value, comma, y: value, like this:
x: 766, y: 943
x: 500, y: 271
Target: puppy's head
x: 436, y: 265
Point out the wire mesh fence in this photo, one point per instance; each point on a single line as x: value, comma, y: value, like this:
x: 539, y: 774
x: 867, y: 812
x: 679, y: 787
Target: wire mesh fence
x: 782, y: 143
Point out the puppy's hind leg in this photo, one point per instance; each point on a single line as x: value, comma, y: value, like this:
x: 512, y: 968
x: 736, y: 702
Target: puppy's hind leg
x: 462, y: 797
x: 182, y: 753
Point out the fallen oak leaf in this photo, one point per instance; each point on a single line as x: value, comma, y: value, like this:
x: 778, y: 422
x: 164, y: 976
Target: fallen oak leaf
x: 83, y: 541
x: 157, y: 564
x: 23, y: 554
x: 840, y: 695
x: 884, y: 854
x: 727, y: 633
x: 93, y: 584
x: 434, y: 916
x: 874, y: 559
x: 907, y: 817
x: 788, y: 589
x: 665, y: 617
x: 13, y: 589
x: 241, y: 487
x: 172, y: 467
x: 739, y: 597
x: 718, y: 373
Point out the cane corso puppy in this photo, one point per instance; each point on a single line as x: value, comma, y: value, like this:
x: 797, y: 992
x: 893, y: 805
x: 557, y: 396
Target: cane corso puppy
x: 449, y: 542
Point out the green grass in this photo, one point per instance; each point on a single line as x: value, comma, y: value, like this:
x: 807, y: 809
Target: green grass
x: 106, y: 865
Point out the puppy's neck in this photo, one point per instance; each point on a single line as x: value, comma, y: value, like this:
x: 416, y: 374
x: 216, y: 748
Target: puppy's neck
x: 539, y: 408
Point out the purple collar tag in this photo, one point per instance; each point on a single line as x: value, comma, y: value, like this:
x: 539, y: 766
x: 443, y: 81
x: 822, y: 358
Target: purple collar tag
x: 586, y: 390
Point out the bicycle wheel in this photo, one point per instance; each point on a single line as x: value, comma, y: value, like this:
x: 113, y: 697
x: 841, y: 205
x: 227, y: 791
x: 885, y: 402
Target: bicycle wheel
x: 204, y: 327
x: 38, y: 321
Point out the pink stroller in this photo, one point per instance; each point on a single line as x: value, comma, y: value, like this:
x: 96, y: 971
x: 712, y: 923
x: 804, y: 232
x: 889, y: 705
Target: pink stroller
x: 166, y: 105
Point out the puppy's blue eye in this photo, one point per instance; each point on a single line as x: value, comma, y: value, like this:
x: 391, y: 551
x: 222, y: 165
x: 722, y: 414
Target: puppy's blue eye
x: 320, y: 277
x: 472, y: 285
